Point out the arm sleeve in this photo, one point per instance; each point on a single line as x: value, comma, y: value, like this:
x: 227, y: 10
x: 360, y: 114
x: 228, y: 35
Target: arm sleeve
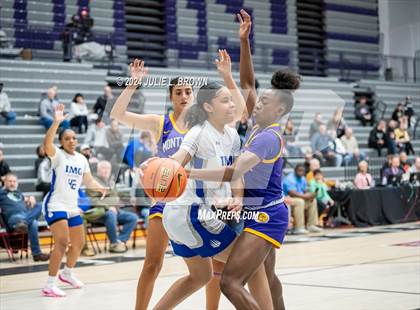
x: 43, y: 109
x: 192, y: 140
x: 266, y: 146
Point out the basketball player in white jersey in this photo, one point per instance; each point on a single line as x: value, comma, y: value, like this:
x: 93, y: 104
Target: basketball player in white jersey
x: 69, y: 170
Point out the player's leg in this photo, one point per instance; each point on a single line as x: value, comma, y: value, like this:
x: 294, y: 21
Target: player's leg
x: 259, y: 288
x: 274, y: 282
x: 213, y: 287
x: 200, y: 272
x: 248, y: 253
x: 157, y: 242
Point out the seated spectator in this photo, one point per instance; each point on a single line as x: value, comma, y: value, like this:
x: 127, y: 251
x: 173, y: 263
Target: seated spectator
x: 363, y: 179
x: 115, y: 140
x: 149, y: 141
x: 314, y: 164
x: 391, y: 139
x: 4, y: 168
x: 323, y: 199
x: 46, y: 110
x: 78, y: 113
x: 315, y: 125
x: 394, y: 171
x: 386, y: 164
x: 337, y: 123
x: 44, y: 174
x: 405, y: 163
x: 114, y: 215
x: 96, y: 139
x: 399, y: 112
x: 290, y: 137
x: 86, y: 151
x: 322, y: 145
x: 415, y: 168
x: 295, y: 186
x: 104, y: 104
x: 362, y: 112
x: 21, y: 214
x: 339, y: 149
x: 352, y: 147
x: 402, y: 139
x: 137, y: 151
x: 40, y: 152
x: 5, y: 107
x: 377, y: 137
x: 409, y: 110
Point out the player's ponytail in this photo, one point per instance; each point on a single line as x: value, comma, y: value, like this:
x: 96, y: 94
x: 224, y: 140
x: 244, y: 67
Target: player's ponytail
x: 196, y: 113
x: 286, y: 81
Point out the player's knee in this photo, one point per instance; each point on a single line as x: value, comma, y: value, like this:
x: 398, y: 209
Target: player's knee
x: 202, y: 278
x: 60, y: 245
x: 152, y: 267
x: 227, y: 284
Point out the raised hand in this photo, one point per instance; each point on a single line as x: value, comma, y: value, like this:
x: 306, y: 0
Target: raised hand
x: 244, y: 24
x: 138, y: 71
x: 59, y: 113
x: 224, y: 64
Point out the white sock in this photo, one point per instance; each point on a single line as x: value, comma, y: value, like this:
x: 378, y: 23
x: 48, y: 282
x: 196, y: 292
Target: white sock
x: 67, y: 271
x: 51, y: 281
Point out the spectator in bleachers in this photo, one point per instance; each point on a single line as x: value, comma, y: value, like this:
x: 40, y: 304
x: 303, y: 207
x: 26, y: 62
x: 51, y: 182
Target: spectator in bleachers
x: 415, y: 168
x: 242, y: 127
x: 314, y: 164
x: 402, y: 139
x: 314, y: 128
x: 6, y: 108
x: 104, y: 104
x: 46, y: 110
x: 377, y: 137
x: 4, y: 168
x: 394, y: 171
x: 114, y: 215
x: 363, y: 179
x: 137, y: 150
x: 295, y: 186
x: 96, y: 139
x: 352, y: 147
x: 290, y: 137
x: 323, y: 200
x: 409, y: 110
x: 404, y: 162
x: 399, y: 112
x: 339, y: 150
x: 322, y: 146
x: 391, y: 140
x: 21, y: 213
x: 78, y: 113
x: 86, y: 151
x: 115, y: 140
x: 337, y: 123
x: 40, y: 153
x: 43, y: 182
x: 363, y: 113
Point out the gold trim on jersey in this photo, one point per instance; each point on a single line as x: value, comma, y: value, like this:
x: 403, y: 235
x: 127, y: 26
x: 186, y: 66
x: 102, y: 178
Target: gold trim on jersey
x: 253, y: 135
x: 161, y: 122
x: 171, y: 117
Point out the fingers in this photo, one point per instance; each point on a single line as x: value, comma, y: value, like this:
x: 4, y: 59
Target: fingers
x: 246, y: 17
x: 239, y: 16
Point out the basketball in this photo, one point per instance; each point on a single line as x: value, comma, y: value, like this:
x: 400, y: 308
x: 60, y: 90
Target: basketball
x: 164, y: 179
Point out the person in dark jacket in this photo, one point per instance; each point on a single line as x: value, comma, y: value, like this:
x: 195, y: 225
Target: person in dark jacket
x: 377, y: 137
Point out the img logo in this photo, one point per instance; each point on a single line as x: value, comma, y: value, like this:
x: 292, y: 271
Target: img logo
x: 73, y: 170
x: 227, y: 160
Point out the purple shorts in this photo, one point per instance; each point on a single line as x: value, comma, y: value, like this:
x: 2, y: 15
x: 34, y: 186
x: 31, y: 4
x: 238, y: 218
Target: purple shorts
x: 156, y: 210
x: 270, y: 224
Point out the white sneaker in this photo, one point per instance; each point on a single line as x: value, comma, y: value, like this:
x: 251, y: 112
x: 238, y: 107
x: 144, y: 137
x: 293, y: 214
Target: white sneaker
x: 70, y: 279
x: 300, y: 231
x: 53, y: 291
x: 314, y: 229
x: 118, y: 247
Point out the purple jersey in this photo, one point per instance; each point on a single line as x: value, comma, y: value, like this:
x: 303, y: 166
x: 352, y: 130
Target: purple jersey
x: 263, y: 183
x: 170, y: 136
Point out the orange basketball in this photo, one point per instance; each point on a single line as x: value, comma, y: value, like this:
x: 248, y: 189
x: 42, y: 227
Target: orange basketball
x: 164, y: 179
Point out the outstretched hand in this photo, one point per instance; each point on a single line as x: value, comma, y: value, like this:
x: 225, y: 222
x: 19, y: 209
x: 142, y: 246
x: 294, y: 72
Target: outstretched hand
x: 137, y: 70
x: 224, y: 64
x: 59, y: 113
x: 244, y: 24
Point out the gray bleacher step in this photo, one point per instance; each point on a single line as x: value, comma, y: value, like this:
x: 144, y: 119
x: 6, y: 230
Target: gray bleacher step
x: 19, y: 149
x: 28, y: 120
x: 21, y: 112
x: 23, y: 103
x: 35, y: 93
x: 61, y: 84
x: 20, y: 159
x: 21, y: 129
x: 27, y: 184
x: 23, y: 64
x: 24, y: 172
x: 44, y: 74
x: 37, y: 195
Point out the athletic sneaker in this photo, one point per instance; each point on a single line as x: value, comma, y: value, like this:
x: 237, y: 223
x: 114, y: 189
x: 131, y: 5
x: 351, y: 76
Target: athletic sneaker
x: 300, y: 231
x: 118, y: 247
x: 53, y: 291
x: 70, y: 279
x: 314, y: 229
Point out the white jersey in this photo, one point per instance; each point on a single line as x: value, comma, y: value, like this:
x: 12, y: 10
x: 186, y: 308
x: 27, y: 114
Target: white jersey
x: 209, y: 149
x: 67, y: 177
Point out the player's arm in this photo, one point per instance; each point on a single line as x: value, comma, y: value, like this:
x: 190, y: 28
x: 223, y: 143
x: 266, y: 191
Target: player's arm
x: 245, y: 162
x: 134, y: 120
x: 237, y: 187
x: 50, y: 135
x: 224, y: 66
x: 182, y: 156
x: 246, y: 68
x: 92, y: 184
